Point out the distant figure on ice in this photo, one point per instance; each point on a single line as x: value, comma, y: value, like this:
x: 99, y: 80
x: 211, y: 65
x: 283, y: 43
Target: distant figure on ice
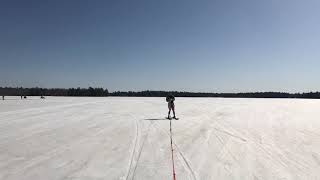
x: 170, y: 99
x: 2, y: 97
x: 21, y: 97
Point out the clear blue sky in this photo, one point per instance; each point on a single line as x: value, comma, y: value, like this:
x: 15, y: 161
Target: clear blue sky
x: 215, y: 46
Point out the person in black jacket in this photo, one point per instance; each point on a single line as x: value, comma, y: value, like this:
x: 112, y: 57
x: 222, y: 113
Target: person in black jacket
x: 170, y: 99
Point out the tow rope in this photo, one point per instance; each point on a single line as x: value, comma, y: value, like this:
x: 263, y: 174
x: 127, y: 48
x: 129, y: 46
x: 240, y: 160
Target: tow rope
x: 173, y: 169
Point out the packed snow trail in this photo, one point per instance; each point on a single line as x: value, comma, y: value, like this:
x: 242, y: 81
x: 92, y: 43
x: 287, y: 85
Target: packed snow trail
x: 128, y: 138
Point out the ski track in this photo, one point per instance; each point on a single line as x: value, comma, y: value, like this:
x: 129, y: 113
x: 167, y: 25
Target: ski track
x: 112, y: 138
x: 134, y: 148
x: 140, y: 151
x: 186, y: 164
x: 137, y: 152
x: 230, y: 134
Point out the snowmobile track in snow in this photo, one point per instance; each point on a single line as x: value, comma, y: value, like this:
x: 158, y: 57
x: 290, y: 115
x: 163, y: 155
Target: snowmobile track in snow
x: 137, y: 152
x: 134, y: 148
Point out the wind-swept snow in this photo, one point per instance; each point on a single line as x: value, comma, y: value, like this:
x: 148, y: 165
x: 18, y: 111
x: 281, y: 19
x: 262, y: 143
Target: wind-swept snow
x: 128, y: 138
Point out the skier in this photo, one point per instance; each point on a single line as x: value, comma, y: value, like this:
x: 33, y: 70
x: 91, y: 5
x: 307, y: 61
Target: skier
x: 170, y: 99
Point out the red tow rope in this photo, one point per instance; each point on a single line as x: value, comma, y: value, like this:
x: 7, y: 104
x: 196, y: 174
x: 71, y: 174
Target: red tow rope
x: 173, y: 170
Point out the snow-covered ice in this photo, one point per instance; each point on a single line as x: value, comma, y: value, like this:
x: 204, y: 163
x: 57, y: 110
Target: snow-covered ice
x: 120, y: 138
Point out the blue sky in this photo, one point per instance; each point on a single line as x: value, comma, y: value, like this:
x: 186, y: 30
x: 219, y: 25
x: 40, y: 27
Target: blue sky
x: 213, y: 46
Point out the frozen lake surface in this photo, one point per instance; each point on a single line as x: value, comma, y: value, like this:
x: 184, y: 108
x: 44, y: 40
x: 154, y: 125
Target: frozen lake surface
x: 114, y: 138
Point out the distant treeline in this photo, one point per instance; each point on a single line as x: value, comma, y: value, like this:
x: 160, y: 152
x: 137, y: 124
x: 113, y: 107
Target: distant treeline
x: 311, y: 95
x: 19, y: 91
x: 8, y: 91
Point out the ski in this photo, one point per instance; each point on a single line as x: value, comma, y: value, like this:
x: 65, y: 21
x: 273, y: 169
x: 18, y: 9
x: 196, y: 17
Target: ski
x: 172, y: 118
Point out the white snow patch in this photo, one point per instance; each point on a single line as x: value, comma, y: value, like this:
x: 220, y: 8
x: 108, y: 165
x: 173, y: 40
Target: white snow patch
x: 128, y: 138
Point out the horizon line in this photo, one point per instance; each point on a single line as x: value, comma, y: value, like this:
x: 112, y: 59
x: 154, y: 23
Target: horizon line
x: 135, y: 91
